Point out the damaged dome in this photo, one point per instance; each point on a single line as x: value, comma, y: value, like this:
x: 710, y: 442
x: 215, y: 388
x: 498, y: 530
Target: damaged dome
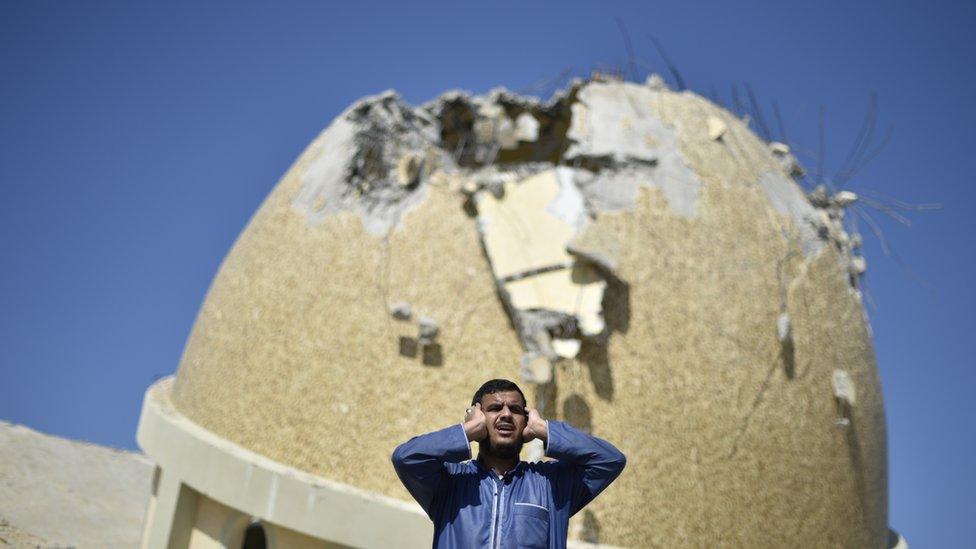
x: 638, y: 257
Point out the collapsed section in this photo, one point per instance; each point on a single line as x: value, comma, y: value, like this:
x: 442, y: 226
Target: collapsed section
x: 553, y: 296
x: 372, y: 160
x: 537, y: 177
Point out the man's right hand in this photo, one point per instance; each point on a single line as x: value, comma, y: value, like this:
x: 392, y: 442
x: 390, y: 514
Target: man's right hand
x: 474, y: 424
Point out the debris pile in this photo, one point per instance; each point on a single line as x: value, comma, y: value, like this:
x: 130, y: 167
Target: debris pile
x: 831, y: 209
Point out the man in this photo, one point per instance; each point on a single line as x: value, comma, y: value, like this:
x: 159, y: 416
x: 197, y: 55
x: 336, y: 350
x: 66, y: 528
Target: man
x: 497, y: 501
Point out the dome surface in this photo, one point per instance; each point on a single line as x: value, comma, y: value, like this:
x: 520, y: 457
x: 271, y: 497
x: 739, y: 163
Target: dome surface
x: 639, y: 260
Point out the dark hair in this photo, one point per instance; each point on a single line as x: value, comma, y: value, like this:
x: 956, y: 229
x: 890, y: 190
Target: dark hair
x: 497, y: 386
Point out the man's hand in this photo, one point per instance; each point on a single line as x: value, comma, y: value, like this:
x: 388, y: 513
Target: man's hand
x: 536, y: 427
x: 474, y: 424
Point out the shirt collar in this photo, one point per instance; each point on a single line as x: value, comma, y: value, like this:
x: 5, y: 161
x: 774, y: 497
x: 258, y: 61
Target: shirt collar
x: 517, y: 470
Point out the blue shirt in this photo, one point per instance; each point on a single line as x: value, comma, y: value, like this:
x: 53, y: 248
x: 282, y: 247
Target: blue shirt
x: 527, y: 508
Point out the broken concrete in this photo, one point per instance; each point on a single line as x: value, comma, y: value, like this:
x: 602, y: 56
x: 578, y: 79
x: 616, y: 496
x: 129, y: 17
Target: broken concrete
x: 788, y: 162
x: 538, y: 176
x: 372, y: 161
x: 612, y: 123
x: 845, y: 392
x: 427, y: 330
x: 716, y: 128
x: 819, y: 197
x: 526, y: 235
x: 819, y: 217
x: 520, y: 229
x: 655, y: 82
x: 526, y: 127
x: 845, y: 198
x: 784, y: 331
x: 788, y: 200
x: 401, y: 310
x: 616, y: 188
x: 502, y: 127
x: 566, y: 348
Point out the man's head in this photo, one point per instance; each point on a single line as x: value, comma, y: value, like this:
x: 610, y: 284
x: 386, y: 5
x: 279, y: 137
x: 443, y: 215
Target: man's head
x: 503, y: 404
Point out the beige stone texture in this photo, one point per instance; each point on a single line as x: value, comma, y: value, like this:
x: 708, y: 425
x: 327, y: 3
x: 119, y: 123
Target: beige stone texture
x: 731, y: 435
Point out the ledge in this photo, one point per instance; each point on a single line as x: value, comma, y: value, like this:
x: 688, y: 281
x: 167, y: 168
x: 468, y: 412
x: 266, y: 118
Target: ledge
x: 269, y: 490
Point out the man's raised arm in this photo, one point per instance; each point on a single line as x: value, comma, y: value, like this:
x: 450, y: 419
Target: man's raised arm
x: 595, y: 462
x: 419, y: 462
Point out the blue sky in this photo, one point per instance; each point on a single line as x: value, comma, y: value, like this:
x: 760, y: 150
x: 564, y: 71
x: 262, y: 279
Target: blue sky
x: 136, y: 140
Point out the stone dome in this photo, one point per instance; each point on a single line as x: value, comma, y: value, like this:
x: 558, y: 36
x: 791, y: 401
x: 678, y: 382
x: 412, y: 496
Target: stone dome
x: 639, y: 260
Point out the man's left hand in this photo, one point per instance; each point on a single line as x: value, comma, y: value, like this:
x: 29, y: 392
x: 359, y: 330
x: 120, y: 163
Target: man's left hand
x: 536, y: 427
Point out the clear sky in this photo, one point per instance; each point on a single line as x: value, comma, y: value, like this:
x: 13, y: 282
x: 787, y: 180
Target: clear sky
x: 136, y: 140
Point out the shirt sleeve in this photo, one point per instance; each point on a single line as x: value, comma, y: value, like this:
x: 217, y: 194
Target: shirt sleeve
x: 419, y: 462
x: 591, y: 463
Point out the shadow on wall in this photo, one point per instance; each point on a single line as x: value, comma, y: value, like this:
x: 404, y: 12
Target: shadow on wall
x: 591, y: 528
x: 595, y: 354
x: 577, y: 413
x: 857, y: 468
x: 430, y: 355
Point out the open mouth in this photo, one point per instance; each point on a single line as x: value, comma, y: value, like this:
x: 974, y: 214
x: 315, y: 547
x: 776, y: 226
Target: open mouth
x: 505, y: 429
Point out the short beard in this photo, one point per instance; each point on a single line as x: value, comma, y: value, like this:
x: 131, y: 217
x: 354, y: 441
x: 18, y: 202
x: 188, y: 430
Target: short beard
x: 503, y: 451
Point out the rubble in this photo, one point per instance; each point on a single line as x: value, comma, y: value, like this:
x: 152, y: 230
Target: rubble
x: 784, y: 332
x: 716, y: 128
x: 566, y: 348
x: 526, y: 127
x: 601, y: 129
x: 787, y: 160
x: 408, y: 169
x: 401, y: 310
x: 501, y: 128
x: 845, y: 198
x: 368, y: 161
x: 616, y: 188
x: 819, y: 197
x: 525, y: 234
x: 427, y: 331
x: 845, y: 393
x: 656, y: 82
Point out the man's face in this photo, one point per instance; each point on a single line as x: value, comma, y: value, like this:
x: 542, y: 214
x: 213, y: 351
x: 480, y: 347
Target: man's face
x: 505, y: 418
